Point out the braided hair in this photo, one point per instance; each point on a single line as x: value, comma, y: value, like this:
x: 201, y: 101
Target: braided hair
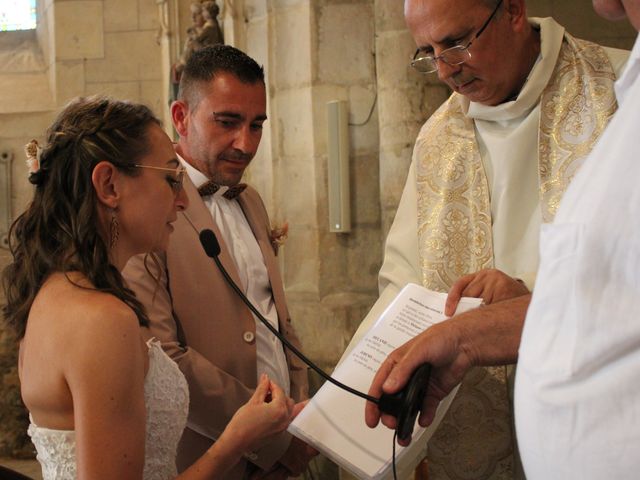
x: 58, y: 232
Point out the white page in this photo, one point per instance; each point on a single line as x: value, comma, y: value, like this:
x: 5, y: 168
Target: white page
x: 333, y: 421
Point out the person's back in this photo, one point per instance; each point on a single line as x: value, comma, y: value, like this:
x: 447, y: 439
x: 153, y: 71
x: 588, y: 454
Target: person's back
x: 577, y: 398
x: 62, y: 324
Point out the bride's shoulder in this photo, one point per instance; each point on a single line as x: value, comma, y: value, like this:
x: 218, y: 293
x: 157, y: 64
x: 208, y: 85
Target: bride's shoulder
x: 83, y: 314
x: 78, y: 296
x: 90, y: 341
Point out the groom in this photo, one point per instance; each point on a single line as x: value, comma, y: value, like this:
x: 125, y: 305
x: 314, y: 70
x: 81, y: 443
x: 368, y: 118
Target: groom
x: 202, y: 324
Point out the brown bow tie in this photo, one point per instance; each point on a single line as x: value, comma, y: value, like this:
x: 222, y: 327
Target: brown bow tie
x: 209, y: 188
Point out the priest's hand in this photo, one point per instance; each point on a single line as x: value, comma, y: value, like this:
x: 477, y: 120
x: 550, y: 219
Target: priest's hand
x: 489, y: 284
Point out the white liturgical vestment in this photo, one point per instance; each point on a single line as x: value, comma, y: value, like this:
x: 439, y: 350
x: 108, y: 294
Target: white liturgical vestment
x: 577, y: 391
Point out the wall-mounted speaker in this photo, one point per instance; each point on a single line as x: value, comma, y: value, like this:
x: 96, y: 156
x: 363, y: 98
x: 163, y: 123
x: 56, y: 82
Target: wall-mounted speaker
x: 338, y: 167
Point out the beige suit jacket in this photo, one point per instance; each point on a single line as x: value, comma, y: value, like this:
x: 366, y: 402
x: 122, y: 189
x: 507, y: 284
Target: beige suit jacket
x: 204, y: 326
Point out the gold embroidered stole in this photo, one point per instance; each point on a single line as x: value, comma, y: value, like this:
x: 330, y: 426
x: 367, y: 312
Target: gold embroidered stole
x: 475, y: 440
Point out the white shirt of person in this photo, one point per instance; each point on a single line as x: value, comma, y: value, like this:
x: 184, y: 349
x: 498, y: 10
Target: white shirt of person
x: 577, y: 398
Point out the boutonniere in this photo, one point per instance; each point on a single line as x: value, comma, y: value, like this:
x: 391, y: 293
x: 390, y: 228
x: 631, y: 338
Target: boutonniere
x: 279, y: 236
x: 33, y: 152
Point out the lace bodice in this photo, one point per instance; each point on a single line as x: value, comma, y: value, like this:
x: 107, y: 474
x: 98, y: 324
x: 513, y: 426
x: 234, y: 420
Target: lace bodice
x: 166, y: 398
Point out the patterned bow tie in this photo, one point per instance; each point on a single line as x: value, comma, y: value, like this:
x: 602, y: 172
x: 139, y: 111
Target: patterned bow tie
x: 209, y: 188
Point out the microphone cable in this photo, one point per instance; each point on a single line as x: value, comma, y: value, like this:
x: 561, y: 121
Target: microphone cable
x: 205, y: 237
x: 205, y: 233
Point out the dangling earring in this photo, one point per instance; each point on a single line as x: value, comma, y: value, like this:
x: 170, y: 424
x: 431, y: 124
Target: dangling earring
x: 113, y: 230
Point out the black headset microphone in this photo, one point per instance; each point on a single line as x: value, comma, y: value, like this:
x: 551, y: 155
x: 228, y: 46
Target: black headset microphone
x: 404, y: 405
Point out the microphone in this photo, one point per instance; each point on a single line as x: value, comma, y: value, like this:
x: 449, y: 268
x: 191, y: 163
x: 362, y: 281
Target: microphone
x: 210, y: 243
x: 404, y: 405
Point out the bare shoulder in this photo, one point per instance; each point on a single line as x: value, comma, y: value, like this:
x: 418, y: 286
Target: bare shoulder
x: 77, y: 344
x: 84, y: 318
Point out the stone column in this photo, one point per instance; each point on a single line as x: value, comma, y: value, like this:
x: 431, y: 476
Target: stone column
x: 309, y: 60
x: 315, y: 52
x: 405, y: 98
x: 171, y: 40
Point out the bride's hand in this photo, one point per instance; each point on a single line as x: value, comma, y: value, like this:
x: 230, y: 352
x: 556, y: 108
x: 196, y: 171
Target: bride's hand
x: 268, y: 412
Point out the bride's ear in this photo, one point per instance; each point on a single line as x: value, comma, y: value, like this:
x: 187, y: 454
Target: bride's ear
x: 106, y: 182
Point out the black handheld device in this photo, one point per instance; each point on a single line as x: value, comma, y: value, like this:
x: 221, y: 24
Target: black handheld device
x: 404, y: 405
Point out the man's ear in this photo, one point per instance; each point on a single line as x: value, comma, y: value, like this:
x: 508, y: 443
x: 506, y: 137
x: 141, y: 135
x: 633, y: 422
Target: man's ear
x: 517, y: 13
x: 105, y: 178
x: 180, y: 117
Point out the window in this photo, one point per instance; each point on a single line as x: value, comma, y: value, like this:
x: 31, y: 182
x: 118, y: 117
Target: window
x: 17, y: 15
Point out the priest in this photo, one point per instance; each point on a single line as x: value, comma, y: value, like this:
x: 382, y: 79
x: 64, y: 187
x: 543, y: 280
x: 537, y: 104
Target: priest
x: 489, y: 168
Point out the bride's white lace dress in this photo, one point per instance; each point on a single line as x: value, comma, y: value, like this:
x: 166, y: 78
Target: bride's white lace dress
x: 166, y: 398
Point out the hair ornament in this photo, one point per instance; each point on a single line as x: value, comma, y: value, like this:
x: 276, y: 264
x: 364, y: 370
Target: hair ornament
x: 33, y: 152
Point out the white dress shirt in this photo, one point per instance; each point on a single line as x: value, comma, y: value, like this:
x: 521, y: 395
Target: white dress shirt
x: 577, y: 390
x: 245, y: 251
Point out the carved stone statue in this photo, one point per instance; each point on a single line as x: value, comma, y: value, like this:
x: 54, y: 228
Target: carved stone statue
x: 210, y: 34
x: 203, y: 31
x: 197, y: 19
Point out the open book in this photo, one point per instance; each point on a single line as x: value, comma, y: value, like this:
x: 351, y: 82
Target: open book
x: 333, y: 421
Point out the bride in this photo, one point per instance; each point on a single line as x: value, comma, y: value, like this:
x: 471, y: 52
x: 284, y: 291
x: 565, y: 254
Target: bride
x: 105, y: 401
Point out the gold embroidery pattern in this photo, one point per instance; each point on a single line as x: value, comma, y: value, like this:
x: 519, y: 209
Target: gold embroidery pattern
x: 574, y: 111
x: 454, y: 216
x: 475, y: 439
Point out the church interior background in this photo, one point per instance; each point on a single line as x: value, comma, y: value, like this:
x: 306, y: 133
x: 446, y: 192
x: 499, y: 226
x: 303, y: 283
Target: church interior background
x: 313, y: 51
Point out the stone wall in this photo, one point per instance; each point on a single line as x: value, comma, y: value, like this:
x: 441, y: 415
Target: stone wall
x: 406, y: 100
x: 81, y: 47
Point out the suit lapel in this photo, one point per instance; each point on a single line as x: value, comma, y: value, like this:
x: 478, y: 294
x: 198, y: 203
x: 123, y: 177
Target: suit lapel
x: 264, y: 242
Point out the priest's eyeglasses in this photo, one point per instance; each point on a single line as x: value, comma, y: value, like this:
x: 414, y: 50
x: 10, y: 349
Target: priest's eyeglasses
x: 451, y: 56
x: 175, y: 182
